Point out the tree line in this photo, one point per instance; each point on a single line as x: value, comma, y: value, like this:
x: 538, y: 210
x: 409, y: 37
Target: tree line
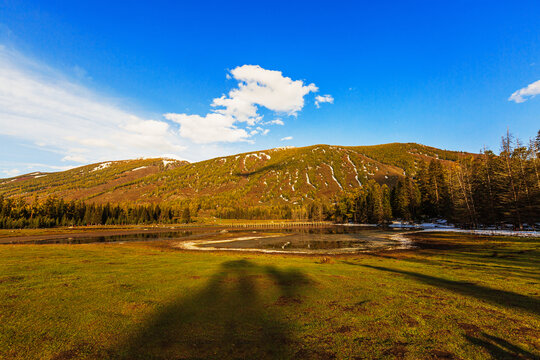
x: 476, y: 190
x: 471, y: 191
x: 53, y: 211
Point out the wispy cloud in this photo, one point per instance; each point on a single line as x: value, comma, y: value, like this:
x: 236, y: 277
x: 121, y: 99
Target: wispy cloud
x: 39, y: 105
x: 526, y: 93
x: 286, y: 138
x: 11, y: 172
x: 319, y: 99
x: 257, y: 87
x: 46, y: 110
x: 277, y: 121
x: 9, y: 169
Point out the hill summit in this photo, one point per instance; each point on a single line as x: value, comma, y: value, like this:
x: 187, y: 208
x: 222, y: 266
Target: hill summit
x: 261, y: 178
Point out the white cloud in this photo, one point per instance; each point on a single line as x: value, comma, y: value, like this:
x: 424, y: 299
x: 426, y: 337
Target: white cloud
x: 40, y: 108
x: 11, y: 172
x: 287, y: 138
x: 75, y: 158
x: 39, y: 105
x: 257, y: 87
x: 323, y: 99
x: 210, y: 128
x: 274, y: 122
x: 172, y: 157
x: 526, y: 93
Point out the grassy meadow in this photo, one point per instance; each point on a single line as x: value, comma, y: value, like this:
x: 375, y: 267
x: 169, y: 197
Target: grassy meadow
x: 456, y: 297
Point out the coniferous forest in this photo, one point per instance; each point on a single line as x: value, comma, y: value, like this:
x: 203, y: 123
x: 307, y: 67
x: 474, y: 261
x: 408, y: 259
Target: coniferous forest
x: 476, y: 190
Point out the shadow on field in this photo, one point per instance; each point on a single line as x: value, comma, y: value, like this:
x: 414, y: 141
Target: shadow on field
x: 524, y: 263
x: 498, y: 297
x: 499, y: 348
x: 226, y: 319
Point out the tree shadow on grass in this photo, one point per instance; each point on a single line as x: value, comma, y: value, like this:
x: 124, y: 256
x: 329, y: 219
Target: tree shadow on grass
x: 226, y: 319
x: 517, y: 265
x: 498, y: 297
x: 499, y: 348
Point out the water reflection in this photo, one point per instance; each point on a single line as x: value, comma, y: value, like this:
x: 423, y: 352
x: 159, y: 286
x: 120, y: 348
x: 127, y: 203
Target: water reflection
x: 146, y: 236
x: 330, y: 239
x: 336, y: 239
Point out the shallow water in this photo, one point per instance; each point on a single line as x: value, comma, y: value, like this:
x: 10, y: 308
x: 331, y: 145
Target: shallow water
x: 330, y: 240
x: 88, y: 239
x: 336, y: 239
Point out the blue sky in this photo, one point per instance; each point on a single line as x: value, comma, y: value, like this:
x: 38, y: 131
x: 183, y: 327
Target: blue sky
x: 92, y: 81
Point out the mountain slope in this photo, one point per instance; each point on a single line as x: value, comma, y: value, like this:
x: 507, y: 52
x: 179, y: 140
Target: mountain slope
x: 270, y: 177
x: 85, y: 181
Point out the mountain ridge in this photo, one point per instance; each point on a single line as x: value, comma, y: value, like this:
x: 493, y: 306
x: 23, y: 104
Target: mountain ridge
x: 283, y: 175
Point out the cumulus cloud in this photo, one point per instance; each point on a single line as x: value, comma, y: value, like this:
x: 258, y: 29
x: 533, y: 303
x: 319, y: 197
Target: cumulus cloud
x: 319, y: 99
x: 526, y: 93
x: 286, y: 138
x: 210, y: 128
x: 42, y: 108
x: 257, y: 87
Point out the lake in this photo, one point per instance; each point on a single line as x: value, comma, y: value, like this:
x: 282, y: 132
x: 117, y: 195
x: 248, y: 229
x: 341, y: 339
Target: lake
x: 316, y: 240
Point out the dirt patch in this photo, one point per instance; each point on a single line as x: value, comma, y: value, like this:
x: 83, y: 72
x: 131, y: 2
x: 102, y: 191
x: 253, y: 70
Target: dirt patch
x: 410, y: 321
x: 314, y: 354
x: 344, y: 329
x: 288, y: 300
x: 11, y: 279
x: 358, y: 307
x: 442, y: 355
x: 470, y: 329
x: 66, y: 355
x: 529, y: 332
x: 397, y: 351
x: 325, y: 260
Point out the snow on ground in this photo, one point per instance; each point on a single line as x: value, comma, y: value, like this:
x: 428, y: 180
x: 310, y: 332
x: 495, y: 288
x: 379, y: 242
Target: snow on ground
x: 101, y: 166
x: 309, y: 182
x: 255, y: 155
x: 140, y: 168
x: 442, y: 227
x: 490, y: 232
x: 334, y: 177
x: 406, y: 225
x: 167, y: 162
x: 355, y: 170
x: 260, y: 155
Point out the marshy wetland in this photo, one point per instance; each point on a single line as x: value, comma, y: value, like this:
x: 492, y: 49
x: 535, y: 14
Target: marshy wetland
x: 451, y: 296
x: 307, y: 240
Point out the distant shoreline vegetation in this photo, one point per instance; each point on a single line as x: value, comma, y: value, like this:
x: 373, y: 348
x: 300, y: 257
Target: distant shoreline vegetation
x: 472, y: 191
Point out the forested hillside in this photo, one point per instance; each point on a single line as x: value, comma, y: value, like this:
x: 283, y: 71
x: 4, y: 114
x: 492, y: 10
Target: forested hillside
x: 321, y: 182
x: 270, y: 177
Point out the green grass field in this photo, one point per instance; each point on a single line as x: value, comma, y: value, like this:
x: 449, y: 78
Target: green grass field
x: 458, y: 297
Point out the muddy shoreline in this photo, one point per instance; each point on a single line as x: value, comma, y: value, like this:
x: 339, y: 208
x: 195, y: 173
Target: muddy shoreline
x: 89, y: 233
